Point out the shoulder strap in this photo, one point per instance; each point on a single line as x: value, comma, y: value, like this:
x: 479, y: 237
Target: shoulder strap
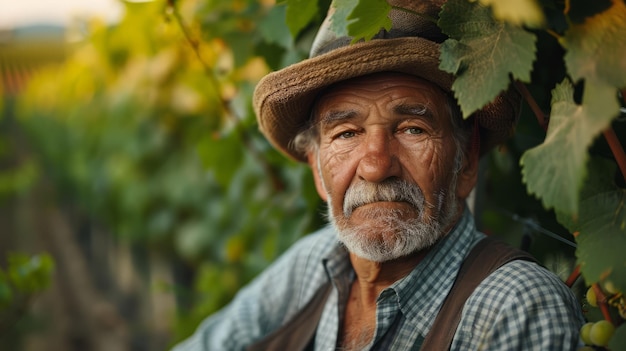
x: 486, y: 257
x: 298, y: 332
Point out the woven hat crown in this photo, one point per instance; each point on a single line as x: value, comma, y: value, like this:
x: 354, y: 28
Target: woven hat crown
x: 283, y: 99
x: 404, y: 24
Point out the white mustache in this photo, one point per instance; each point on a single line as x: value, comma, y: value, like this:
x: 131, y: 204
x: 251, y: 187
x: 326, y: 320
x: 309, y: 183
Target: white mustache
x: 393, y: 189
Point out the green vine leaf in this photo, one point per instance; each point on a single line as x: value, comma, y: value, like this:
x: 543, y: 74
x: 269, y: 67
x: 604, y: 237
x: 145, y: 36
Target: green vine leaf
x: 602, y: 238
x: 224, y: 165
x: 596, y: 50
x: 619, y: 338
x: 299, y: 14
x: 482, y: 53
x: 29, y: 274
x: 368, y: 18
x: 272, y: 27
x: 521, y: 12
x: 600, y: 179
x: 556, y: 169
x: 601, y: 226
x: 339, y: 12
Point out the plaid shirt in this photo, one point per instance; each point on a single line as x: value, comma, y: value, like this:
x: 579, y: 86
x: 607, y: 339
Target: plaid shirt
x: 521, y: 306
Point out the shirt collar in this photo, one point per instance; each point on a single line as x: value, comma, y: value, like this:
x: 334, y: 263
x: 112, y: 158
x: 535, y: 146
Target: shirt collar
x: 433, y: 277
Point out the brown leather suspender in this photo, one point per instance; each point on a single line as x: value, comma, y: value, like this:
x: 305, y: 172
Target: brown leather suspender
x: 296, y: 334
x: 487, y: 256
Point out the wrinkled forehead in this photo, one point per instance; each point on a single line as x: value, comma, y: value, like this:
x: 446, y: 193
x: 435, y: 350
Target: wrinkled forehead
x: 409, y: 88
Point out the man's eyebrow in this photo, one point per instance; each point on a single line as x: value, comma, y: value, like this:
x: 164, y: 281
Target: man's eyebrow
x: 334, y: 116
x: 413, y: 110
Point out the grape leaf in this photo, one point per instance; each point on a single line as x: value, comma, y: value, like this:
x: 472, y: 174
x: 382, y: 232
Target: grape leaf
x: 521, y: 12
x: 600, y: 179
x: 30, y: 274
x: 368, y: 18
x: 596, y: 48
x: 555, y: 169
x: 339, y: 12
x: 272, y: 27
x: 299, y: 14
x: 224, y: 165
x: 602, y: 238
x: 482, y: 52
x: 618, y: 340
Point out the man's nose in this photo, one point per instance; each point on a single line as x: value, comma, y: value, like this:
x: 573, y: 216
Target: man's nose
x: 378, y: 160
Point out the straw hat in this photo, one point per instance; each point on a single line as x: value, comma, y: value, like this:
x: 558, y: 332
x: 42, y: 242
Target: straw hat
x: 283, y: 99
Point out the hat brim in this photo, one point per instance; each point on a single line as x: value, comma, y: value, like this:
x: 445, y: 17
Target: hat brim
x: 283, y: 99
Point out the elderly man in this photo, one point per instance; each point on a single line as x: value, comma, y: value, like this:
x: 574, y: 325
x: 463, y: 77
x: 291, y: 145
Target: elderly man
x: 395, y: 162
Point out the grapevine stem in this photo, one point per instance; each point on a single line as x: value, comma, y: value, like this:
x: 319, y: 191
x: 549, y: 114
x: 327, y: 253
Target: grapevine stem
x: 277, y: 183
x: 541, y: 117
x: 617, y: 149
x: 553, y: 33
x: 196, y: 50
x: 573, y: 277
x: 601, y: 299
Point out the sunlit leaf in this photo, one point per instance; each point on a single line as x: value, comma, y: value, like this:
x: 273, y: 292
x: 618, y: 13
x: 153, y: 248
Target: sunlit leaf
x: 519, y: 12
x: 596, y: 49
x: 30, y: 274
x: 339, y: 13
x: 368, y: 18
x: 482, y: 53
x: 555, y: 169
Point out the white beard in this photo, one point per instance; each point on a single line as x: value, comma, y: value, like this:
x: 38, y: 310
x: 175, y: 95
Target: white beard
x: 392, y: 235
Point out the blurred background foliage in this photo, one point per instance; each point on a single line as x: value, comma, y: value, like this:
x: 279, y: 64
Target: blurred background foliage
x: 132, y: 157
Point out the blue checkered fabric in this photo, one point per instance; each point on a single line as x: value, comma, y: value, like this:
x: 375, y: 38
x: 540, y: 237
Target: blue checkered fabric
x: 521, y: 306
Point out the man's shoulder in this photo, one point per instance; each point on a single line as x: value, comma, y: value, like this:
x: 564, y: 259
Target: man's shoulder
x: 521, y: 305
x: 523, y: 285
x: 522, y: 275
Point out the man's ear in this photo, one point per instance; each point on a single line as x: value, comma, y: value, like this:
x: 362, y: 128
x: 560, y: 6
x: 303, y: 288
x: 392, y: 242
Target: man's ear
x: 468, y: 175
x: 319, y: 184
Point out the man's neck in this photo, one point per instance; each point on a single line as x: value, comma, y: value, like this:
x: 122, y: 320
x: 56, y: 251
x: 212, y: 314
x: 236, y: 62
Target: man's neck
x: 373, y: 277
x: 359, y: 320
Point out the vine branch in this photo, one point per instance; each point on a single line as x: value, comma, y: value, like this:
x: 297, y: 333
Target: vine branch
x: 277, y: 183
x: 573, y: 277
x: 534, y: 106
x: 602, y: 303
x: 617, y: 149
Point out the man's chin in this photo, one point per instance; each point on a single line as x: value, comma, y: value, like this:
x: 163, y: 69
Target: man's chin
x: 383, y: 212
x: 380, y: 253
x: 380, y: 243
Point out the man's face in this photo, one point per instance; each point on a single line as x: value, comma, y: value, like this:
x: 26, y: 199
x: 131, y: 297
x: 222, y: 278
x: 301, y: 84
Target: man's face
x: 386, y: 164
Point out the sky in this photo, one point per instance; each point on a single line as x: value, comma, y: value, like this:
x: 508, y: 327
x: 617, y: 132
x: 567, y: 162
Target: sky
x: 14, y: 13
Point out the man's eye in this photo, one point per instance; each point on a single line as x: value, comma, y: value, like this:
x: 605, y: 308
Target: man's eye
x: 346, y: 135
x: 414, y: 130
